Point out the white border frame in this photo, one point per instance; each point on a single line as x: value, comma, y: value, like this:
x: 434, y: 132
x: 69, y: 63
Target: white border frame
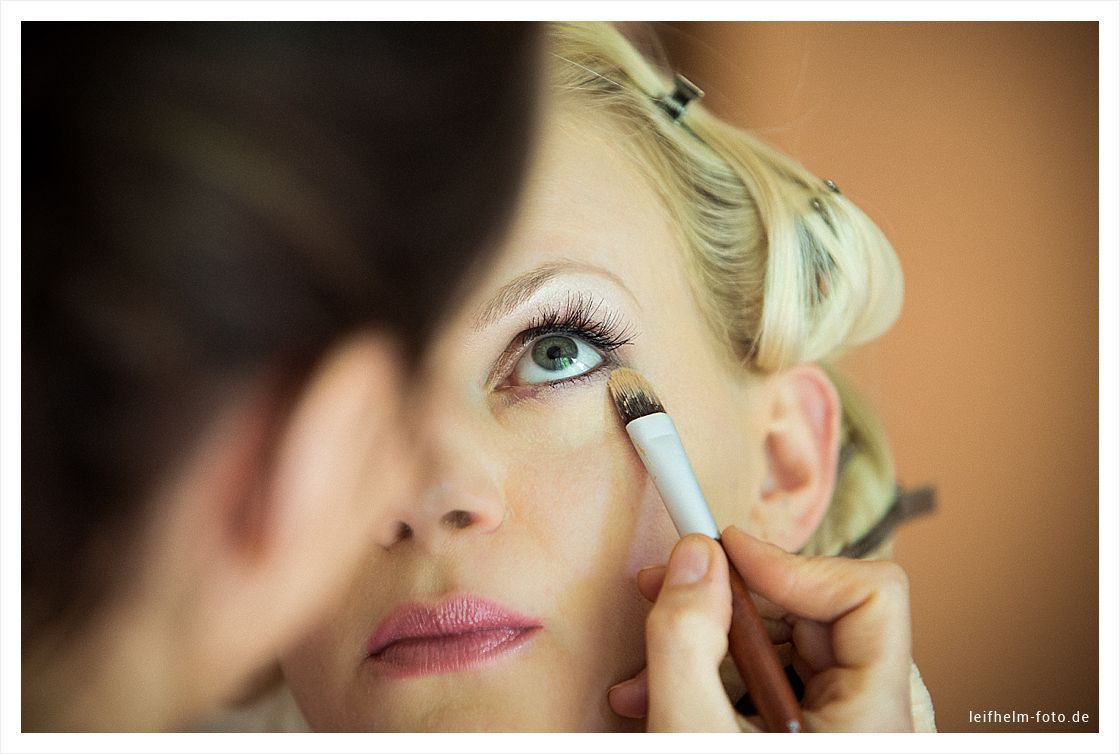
x: 12, y: 12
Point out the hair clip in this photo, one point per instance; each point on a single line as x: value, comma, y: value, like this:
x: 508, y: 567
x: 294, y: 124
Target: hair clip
x: 832, y: 185
x: 818, y: 205
x: 684, y: 92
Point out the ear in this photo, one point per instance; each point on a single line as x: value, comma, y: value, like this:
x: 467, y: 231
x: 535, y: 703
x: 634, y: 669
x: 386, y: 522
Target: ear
x: 801, y: 445
x: 278, y: 534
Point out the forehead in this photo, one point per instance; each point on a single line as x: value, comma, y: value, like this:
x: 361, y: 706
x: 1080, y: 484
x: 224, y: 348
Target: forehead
x: 585, y: 200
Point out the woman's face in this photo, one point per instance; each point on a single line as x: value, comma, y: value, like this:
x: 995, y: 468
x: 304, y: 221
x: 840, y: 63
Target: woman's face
x: 504, y: 597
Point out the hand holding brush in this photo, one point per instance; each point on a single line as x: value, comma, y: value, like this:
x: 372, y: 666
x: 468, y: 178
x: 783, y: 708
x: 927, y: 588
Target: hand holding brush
x: 849, y: 620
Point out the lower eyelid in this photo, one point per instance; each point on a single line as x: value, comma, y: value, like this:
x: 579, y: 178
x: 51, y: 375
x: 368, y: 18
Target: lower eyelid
x: 520, y: 392
x: 607, y: 365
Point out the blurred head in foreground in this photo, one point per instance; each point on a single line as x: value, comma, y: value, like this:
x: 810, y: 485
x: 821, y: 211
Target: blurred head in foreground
x: 237, y: 240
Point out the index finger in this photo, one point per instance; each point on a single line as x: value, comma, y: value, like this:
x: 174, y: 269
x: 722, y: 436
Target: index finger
x: 866, y: 601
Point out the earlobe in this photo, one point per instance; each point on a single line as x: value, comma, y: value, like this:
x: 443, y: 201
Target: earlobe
x: 800, y: 445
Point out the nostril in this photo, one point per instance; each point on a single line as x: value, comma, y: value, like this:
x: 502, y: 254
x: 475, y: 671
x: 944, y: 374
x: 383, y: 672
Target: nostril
x: 404, y: 531
x: 458, y: 519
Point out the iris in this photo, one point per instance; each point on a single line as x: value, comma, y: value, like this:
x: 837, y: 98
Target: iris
x: 555, y: 353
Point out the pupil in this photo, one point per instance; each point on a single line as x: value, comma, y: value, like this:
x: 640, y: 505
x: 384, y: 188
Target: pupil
x: 555, y: 353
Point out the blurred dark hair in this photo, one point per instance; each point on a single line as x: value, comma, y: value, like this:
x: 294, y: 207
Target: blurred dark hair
x: 203, y: 202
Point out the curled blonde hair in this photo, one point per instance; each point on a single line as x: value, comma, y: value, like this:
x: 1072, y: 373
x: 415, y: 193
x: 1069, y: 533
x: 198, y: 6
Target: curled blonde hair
x: 787, y: 270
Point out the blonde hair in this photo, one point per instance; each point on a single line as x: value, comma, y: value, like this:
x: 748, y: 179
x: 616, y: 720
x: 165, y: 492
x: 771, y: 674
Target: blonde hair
x: 788, y: 270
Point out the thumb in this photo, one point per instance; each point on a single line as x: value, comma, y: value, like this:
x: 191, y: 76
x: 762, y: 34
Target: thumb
x: 686, y: 639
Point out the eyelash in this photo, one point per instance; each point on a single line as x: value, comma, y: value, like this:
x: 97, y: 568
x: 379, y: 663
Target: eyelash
x: 579, y: 316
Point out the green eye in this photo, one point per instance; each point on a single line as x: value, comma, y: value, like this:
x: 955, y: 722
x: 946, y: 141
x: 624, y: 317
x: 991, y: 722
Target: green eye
x: 555, y: 352
x: 554, y: 358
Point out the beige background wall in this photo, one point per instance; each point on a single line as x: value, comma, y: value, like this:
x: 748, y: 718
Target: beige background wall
x: 974, y: 146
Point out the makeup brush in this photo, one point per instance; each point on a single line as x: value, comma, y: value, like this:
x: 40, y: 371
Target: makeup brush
x: 655, y: 437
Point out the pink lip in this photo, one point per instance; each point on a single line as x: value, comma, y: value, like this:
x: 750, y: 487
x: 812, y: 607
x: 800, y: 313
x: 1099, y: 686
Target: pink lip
x: 459, y: 633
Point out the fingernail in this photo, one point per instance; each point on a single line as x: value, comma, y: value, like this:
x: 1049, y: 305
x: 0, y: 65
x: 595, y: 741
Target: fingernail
x: 622, y: 684
x: 690, y: 562
x: 629, y: 699
x: 733, y: 529
x: 736, y: 532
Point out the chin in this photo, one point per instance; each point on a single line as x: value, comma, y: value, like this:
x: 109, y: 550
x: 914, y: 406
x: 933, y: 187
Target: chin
x: 467, y: 708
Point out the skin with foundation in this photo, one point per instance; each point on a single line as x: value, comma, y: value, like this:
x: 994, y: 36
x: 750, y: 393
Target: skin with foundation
x: 521, y: 547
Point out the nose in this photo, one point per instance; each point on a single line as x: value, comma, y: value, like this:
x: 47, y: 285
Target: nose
x: 446, y: 510
x: 459, y: 486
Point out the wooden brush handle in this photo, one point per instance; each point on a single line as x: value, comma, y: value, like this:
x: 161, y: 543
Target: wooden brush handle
x: 758, y: 664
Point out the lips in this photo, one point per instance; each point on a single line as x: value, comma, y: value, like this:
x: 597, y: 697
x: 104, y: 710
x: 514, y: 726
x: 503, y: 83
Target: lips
x: 459, y: 633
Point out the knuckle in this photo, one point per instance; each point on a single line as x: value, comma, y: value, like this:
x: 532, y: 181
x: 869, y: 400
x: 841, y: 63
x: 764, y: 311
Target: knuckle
x: 676, y: 622
x: 892, y: 579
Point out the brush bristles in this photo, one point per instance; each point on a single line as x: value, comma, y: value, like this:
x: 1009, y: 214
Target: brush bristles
x: 633, y: 395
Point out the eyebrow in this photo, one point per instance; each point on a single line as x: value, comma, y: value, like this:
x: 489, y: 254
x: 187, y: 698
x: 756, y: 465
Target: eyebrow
x: 519, y: 290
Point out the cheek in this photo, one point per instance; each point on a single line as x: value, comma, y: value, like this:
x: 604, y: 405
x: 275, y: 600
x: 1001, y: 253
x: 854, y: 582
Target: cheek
x: 591, y: 519
x: 595, y: 515
x: 722, y: 435
x: 726, y: 470
x: 314, y: 671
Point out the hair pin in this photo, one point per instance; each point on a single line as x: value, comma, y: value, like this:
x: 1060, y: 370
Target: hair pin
x: 832, y: 185
x: 684, y: 92
x: 818, y: 205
